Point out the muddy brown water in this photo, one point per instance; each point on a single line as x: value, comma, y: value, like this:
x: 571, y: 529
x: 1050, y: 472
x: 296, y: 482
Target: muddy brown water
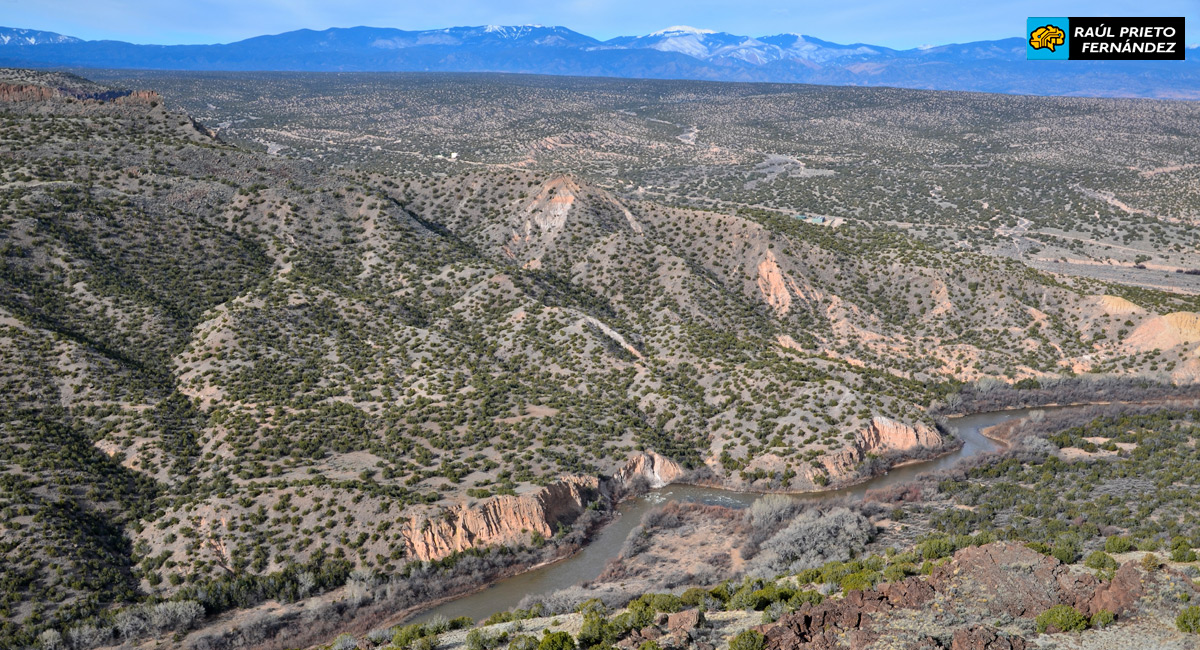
x: 591, y: 559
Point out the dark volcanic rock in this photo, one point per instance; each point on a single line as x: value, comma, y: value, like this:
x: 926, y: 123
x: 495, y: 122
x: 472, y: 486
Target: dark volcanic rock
x: 1012, y: 579
x: 982, y: 637
x: 1119, y: 595
x: 979, y: 584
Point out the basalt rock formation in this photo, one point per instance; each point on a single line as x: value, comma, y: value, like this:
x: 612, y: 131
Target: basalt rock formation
x: 980, y: 584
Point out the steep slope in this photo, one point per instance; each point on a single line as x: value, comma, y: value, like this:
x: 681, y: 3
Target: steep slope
x: 243, y: 376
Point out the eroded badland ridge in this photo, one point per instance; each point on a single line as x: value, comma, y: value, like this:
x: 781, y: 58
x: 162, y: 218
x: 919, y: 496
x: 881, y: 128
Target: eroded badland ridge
x: 238, y: 377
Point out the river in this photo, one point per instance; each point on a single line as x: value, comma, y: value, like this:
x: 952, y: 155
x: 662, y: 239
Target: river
x: 591, y: 559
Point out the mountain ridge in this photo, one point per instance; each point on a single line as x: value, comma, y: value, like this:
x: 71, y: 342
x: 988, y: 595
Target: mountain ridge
x: 677, y: 52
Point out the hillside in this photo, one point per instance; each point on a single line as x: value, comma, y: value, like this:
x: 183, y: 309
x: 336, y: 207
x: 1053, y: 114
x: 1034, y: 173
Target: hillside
x: 244, y: 377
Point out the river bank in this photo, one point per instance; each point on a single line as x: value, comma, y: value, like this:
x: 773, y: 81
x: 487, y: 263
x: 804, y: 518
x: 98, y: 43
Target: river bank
x: 587, y: 560
x: 591, y: 560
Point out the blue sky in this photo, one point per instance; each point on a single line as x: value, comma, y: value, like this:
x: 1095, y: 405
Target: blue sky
x: 893, y: 23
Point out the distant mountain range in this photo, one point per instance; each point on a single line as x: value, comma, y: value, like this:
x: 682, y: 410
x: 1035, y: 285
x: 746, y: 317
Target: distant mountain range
x: 674, y: 53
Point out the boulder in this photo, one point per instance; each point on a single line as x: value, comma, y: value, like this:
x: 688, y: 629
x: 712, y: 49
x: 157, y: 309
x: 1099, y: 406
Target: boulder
x: 1120, y: 594
x: 685, y: 621
x: 983, y: 637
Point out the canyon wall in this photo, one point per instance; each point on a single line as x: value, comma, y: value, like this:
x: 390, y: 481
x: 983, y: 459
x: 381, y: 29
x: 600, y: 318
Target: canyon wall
x: 25, y: 93
x: 504, y: 519
x: 655, y: 469
x: 512, y: 520
x: 18, y: 92
x: 881, y: 437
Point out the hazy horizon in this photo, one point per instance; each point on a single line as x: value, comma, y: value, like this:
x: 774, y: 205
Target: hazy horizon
x: 894, y: 25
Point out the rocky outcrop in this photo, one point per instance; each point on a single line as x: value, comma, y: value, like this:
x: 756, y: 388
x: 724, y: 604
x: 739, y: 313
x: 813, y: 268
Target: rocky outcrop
x: 882, y: 437
x: 984, y: 637
x: 773, y: 285
x: 1118, y: 595
x: 1165, y: 332
x: 979, y: 585
x: 26, y: 93
x: 508, y: 519
x: 656, y: 470
x: 503, y: 519
x: 820, y: 626
x: 685, y: 621
x: 10, y: 92
x: 885, y: 435
x: 141, y: 98
x: 1013, y: 579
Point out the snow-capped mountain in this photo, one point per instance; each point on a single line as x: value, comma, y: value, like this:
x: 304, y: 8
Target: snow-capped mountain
x: 677, y: 52
x: 807, y: 48
x: 706, y: 44
x: 697, y: 43
x: 11, y: 36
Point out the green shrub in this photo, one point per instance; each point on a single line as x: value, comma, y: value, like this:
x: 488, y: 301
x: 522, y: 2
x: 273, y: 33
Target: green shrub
x: 693, y: 597
x: 1040, y: 547
x: 1183, y: 555
x: 1181, y: 549
x: 898, y: 572
x: 1150, y: 562
x: 720, y: 592
x: 592, y: 606
x: 650, y: 645
x: 1066, y: 551
x: 807, y: 596
x: 1189, y: 620
x: 478, y: 639
x: 1063, y: 618
x: 938, y: 547
x: 1103, y: 618
x: 860, y: 581
x: 596, y: 631
x: 407, y: 636
x: 1100, y: 561
x: 1118, y: 544
x: 557, y: 641
x: 748, y: 640
x: 668, y: 603
x: 808, y: 576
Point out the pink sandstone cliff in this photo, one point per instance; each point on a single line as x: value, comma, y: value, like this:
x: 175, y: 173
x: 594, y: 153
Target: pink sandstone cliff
x: 510, y: 519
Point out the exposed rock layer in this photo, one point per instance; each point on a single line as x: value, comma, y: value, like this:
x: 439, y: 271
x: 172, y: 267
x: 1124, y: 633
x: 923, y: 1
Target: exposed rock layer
x: 980, y: 583
x: 883, y: 436
x: 509, y: 519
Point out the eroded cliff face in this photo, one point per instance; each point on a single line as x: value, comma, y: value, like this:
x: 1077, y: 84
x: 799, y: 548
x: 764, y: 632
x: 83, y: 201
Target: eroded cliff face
x: 25, y: 93
x: 502, y: 519
x: 14, y: 92
x: 513, y: 520
x: 882, y: 436
x: 655, y: 469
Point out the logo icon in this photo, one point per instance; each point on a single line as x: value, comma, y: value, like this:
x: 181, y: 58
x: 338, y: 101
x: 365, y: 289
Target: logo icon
x: 1047, y: 37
